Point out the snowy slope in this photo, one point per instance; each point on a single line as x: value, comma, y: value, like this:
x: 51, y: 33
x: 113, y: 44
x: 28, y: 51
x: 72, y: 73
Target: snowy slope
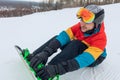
x: 31, y: 31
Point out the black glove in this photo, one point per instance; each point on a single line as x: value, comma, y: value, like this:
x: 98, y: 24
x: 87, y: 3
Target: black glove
x: 40, y: 58
x: 46, y: 52
x: 51, y: 71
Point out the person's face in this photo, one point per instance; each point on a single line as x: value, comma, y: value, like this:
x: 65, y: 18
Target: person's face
x: 86, y: 26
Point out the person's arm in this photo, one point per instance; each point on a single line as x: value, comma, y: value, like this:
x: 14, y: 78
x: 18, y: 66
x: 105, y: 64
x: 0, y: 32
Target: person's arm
x: 93, y: 51
x: 49, y: 71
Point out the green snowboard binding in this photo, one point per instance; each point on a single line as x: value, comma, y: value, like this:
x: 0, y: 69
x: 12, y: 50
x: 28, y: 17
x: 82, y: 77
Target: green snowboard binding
x: 27, y: 63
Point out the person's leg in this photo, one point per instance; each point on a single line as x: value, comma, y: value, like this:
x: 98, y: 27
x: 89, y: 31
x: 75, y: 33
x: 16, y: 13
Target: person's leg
x: 70, y: 51
x: 43, y: 46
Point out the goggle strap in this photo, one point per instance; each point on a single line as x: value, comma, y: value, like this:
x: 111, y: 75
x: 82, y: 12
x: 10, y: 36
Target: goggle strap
x: 100, y: 13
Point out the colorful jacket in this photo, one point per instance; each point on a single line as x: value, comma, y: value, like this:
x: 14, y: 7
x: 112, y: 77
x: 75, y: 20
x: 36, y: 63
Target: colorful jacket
x: 96, y: 43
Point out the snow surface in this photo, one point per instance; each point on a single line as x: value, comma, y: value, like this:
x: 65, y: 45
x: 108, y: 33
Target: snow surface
x: 33, y: 30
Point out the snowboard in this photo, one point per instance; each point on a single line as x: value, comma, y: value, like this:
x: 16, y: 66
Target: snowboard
x: 23, y: 56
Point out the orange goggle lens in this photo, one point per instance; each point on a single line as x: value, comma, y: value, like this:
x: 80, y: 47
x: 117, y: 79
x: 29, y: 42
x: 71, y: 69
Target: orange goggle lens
x: 86, y: 15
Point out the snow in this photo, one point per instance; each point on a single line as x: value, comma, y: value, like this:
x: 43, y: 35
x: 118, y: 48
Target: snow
x: 33, y: 30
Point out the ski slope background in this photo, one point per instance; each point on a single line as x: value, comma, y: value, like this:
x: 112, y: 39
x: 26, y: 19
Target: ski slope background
x: 33, y: 30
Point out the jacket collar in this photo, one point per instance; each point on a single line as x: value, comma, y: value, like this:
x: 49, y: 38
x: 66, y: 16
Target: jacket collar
x: 96, y: 30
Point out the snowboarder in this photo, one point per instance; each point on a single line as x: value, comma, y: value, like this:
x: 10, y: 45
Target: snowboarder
x: 82, y: 45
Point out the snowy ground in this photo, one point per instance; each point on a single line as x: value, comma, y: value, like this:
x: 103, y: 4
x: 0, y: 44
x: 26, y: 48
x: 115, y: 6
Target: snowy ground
x: 31, y: 31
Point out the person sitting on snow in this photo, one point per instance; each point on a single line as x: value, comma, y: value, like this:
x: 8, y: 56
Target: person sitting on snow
x: 82, y: 45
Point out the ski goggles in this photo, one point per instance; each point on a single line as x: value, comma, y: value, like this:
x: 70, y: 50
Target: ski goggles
x: 86, y: 15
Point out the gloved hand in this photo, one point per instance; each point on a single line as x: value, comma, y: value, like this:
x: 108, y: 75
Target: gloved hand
x: 40, y: 58
x: 51, y: 71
